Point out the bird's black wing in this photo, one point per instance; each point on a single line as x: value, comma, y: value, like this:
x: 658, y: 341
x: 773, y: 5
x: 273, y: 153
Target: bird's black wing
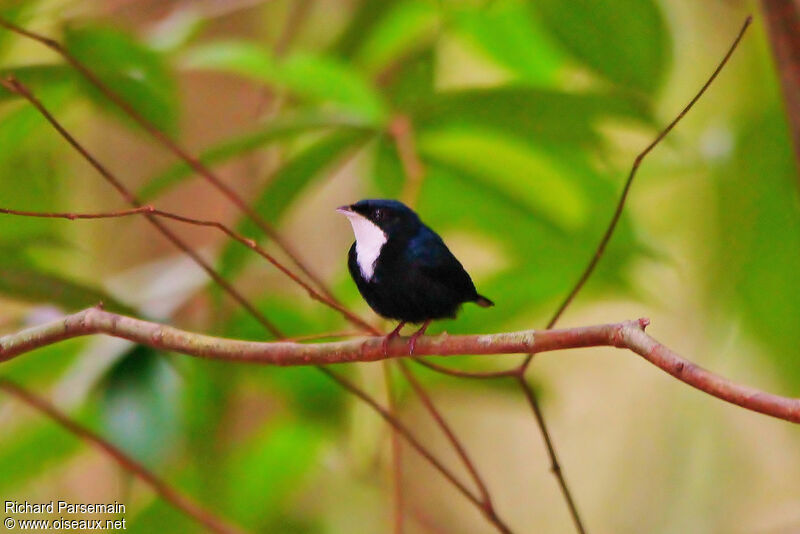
x: 429, y: 257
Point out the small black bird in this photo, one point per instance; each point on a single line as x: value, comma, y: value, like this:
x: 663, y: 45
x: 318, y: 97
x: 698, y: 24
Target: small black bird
x: 403, y: 269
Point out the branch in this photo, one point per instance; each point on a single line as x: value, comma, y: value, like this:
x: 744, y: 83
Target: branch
x: 167, y: 492
x: 628, y: 334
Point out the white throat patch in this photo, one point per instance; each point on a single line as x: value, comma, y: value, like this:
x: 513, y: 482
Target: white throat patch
x: 369, y: 241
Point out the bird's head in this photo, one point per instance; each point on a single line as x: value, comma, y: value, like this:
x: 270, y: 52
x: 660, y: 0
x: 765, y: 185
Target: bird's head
x: 391, y: 218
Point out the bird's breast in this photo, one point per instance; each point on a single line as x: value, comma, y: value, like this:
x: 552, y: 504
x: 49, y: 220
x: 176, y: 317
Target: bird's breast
x: 369, y: 242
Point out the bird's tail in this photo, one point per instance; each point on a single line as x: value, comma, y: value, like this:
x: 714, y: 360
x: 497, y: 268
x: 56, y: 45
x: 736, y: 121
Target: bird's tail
x: 483, y: 302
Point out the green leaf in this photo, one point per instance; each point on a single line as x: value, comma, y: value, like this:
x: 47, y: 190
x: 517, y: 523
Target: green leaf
x: 159, y: 516
x: 757, y: 252
x: 18, y: 127
x: 26, y: 182
x: 13, y: 11
x: 536, y: 263
x: 626, y: 41
x: 269, y: 469
x: 140, y: 410
x: 316, y: 78
x: 37, y: 78
x: 286, y: 186
x: 45, y: 363
x: 543, y: 116
x: 412, y: 80
x: 406, y: 27
x: 28, y: 283
x: 527, y: 176
x: 506, y: 33
x: 135, y: 72
x: 387, y: 172
x: 30, y: 452
x: 360, y: 25
x: 283, y: 128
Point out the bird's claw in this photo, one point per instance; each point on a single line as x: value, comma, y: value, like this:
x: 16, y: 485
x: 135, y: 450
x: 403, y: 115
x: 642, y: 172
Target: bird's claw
x: 388, y: 337
x: 412, y: 343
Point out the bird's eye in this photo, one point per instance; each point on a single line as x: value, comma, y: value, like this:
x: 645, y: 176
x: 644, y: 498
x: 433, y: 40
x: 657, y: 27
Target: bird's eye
x: 379, y: 215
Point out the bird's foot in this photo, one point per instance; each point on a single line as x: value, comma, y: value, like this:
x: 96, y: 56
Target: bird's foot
x: 412, y: 344
x: 388, y: 337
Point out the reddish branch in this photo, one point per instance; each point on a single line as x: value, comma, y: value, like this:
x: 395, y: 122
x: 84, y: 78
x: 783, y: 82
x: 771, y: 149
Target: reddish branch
x: 167, y: 492
x: 629, y: 335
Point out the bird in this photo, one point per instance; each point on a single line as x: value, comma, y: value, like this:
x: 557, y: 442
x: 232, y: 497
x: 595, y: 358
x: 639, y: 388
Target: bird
x: 403, y: 269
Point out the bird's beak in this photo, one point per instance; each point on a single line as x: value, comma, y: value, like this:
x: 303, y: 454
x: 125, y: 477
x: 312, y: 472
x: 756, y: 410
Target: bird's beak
x: 344, y: 210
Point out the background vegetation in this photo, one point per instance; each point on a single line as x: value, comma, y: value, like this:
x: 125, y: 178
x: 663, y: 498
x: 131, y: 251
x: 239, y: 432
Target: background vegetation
x: 526, y: 116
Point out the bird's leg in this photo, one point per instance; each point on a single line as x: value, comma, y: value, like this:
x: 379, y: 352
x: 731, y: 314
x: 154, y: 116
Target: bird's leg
x: 413, y: 342
x: 388, y: 337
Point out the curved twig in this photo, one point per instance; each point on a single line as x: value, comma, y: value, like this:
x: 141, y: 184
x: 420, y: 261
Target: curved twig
x: 173, y: 147
x: 17, y: 87
x: 249, y: 243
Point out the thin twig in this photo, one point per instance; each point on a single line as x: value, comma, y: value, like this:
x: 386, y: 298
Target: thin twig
x: 454, y: 441
x: 529, y: 393
x: 505, y: 373
x: 396, y: 453
x: 249, y: 243
x: 598, y: 253
x: 175, y: 148
x: 14, y: 85
x: 177, y: 499
x: 402, y: 430
x: 555, y: 466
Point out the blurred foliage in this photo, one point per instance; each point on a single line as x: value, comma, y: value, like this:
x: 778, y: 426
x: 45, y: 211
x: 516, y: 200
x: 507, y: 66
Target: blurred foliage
x: 760, y: 209
x: 521, y: 162
x: 139, y: 405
